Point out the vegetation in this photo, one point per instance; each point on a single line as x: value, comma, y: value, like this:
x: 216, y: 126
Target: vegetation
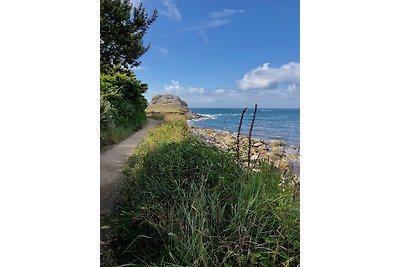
x: 184, y: 203
x: 166, y: 108
x: 166, y: 112
x: 122, y: 106
x: 122, y: 103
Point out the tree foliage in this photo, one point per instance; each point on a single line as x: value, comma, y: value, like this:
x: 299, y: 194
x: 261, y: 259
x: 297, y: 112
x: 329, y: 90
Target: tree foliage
x: 122, y: 28
x: 122, y: 106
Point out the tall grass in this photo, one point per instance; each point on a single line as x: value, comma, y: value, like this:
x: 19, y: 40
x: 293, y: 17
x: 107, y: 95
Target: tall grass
x: 184, y: 203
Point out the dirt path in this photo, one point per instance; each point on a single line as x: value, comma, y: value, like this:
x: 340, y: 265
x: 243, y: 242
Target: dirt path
x: 112, y: 162
x: 111, y: 165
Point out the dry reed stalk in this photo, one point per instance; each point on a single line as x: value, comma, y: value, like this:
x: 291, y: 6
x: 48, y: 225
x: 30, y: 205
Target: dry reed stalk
x: 238, y: 135
x: 250, y: 132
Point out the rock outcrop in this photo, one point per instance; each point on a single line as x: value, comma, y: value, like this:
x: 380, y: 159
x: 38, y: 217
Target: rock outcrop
x: 167, y: 100
x: 171, y: 104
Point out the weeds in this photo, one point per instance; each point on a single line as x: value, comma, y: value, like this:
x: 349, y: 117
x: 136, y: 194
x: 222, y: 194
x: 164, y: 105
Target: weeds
x: 184, y: 203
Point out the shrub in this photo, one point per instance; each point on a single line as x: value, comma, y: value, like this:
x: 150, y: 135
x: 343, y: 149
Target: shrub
x: 122, y: 106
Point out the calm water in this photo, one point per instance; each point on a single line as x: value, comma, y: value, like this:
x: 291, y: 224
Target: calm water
x: 281, y: 124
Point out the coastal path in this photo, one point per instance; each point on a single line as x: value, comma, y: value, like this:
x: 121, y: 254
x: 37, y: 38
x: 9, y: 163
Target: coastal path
x: 111, y: 165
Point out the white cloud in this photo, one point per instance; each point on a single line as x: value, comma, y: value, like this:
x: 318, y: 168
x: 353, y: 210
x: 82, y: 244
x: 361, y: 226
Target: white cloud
x: 195, y: 90
x: 266, y: 86
x: 161, y: 50
x: 175, y: 87
x: 171, y: 10
x: 266, y: 78
x: 225, y: 13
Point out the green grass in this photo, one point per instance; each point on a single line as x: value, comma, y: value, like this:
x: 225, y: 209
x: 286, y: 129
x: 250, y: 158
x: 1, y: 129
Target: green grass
x: 166, y: 112
x: 184, y: 203
x: 166, y: 109
x: 115, y: 134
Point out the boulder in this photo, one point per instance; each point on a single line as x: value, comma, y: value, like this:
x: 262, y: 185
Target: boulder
x: 263, y: 154
x: 254, y: 157
x: 292, y: 156
x: 257, y: 144
x: 275, y: 143
x: 209, y: 131
x: 281, y: 164
x: 229, y: 140
x: 273, y: 156
x: 278, y: 151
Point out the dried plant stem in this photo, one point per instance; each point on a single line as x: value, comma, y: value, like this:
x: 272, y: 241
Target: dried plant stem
x: 238, y: 135
x: 250, y: 132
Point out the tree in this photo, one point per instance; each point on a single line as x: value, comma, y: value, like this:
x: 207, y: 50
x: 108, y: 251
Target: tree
x: 122, y: 28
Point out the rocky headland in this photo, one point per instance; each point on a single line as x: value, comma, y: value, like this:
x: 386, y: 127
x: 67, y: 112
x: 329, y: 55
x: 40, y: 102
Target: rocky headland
x: 170, y: 104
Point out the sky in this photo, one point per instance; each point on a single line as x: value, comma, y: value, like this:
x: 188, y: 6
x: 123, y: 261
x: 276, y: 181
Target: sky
x: 224, y: 53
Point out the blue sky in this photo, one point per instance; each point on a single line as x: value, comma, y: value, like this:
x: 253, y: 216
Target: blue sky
x: 224, y: 53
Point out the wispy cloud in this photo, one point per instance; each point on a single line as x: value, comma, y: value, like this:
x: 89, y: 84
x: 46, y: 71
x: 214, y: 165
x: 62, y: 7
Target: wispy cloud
x: 266, y: 78
x: 213, y: 20
x: 161, y: 50
x: 203, y: 35
x: 225, y: 13
x: 171, y: 11
x: 217, y: 23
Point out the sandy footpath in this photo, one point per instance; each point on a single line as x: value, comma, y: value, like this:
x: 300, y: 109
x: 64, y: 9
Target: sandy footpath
x: 112, y: 162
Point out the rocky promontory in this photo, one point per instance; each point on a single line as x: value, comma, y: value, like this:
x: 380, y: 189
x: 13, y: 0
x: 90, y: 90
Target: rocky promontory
x: 170, y: 104
x: 168, y: 100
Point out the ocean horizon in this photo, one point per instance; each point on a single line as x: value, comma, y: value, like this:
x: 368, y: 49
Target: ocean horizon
x: 270, y: 123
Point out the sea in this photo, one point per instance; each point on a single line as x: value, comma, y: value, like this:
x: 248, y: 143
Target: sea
x: 269, y: 124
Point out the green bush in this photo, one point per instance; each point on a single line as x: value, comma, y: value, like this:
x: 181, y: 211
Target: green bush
x: 122, y: 106
x: 188, y: 204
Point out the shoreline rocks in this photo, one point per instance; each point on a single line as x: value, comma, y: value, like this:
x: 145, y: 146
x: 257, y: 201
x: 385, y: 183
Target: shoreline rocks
x: 193, y: 116
x: 276, y: 152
